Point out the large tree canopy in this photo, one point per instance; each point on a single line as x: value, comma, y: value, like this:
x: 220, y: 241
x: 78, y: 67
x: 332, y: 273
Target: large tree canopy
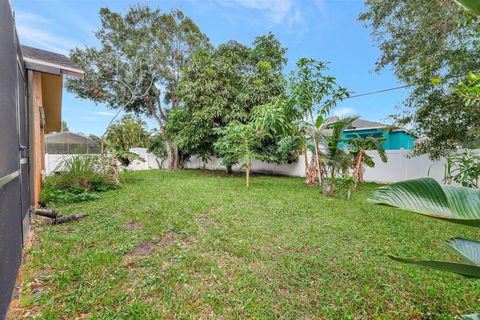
x: 139, y: 63
x: 424, y: 41
x: 224, y: 85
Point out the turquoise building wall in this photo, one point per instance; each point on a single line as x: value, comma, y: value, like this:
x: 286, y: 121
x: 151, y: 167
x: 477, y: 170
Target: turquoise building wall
x: 394, y: 140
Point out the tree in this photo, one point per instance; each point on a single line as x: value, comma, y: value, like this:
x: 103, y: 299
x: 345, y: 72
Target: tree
x: 139, y: 64
x: 156, y: 145
x: 242, y: 142
x: 128, y: 132
x: 223, y: 86
x: 358, y: 146
x: 64, y: 127
x: 336, y: 158
x: 313, y: 95
x: 237, y: 144
x: 425, y: 41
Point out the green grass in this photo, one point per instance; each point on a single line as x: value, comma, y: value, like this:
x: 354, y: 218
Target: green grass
x: 193, y: 244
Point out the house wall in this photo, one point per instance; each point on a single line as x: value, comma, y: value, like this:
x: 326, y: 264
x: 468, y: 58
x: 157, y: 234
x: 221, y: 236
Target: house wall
x: 400, y: 139
x: 376, y: 133
x: 393, y: 140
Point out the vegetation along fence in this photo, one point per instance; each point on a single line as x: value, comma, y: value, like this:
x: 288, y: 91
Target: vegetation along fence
x: 401, y: 165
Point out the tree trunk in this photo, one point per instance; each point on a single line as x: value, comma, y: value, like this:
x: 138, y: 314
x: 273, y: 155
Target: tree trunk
x: 331, y: 184
x: 311, y: 177
x: 72, y: 217
x: 173, y: 157
x: 358, y: 173
x: 349, y: 193
x: 317, y: 153
x: 49, y: 213
x: 305, y: 151
x: 228, y: 169
x: 317, y: 162
x: 247, y: 173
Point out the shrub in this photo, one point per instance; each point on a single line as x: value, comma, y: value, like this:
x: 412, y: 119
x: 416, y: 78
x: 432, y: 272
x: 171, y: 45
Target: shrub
x: 54, y: 195
x: 78, y: 178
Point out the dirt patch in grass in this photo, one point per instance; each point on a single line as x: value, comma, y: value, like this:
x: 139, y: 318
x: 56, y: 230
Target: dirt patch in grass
x: 144, y: 248
x: 164, y: 241
x: 134, y: 225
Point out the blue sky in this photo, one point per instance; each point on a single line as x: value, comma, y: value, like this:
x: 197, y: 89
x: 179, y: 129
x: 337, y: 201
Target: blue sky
x: 323, y: 29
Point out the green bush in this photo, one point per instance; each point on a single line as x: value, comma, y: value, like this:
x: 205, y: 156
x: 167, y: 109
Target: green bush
x: 53, y: 195
x: 78, y: 179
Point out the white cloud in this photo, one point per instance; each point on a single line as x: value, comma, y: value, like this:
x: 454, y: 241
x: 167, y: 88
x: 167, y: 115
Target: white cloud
x: 35, y: 30
x: 276, y: 10
x: 320, y: 4
x: 343, y: 112
x: 27, y: 17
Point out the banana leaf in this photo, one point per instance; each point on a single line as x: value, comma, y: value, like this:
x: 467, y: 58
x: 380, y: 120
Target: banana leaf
x: 465, y: 270
x: 470, y: 5
x: 475, y: 316
x: 427, y: 197
x: 465, y: 249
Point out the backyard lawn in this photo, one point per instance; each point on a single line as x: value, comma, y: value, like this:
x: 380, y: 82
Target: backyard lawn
x: 193, y: 244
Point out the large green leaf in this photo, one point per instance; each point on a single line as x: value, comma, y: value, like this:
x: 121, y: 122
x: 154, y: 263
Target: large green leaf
x: 470, y: 5
x: 468, y: 250
x: 475, y: 316
x: 426, y: 196
x: 465, y: 270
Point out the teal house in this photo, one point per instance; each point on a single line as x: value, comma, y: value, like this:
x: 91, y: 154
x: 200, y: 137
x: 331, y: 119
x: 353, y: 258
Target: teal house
x: 395, y: 138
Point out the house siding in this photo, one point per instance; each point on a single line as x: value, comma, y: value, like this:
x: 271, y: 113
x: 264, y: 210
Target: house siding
x: 400, y: 139
x: 393, y: 140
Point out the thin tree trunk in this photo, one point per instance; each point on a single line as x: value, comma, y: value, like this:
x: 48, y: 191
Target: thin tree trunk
x: 332, y: 183
x: 247, y: 173
x: 311, y: 175
x: 306, y: 164
x: 317, y: 153
x: 317, y: 162
x: 228, y: 169
x: 358, y: 167
x: 72, y: 217
x: 49, y: 213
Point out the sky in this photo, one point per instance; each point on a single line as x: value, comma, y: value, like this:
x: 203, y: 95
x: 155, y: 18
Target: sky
x: 327, y: 30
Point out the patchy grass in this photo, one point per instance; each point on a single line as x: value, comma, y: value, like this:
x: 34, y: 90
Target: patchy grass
x: 195, y: 244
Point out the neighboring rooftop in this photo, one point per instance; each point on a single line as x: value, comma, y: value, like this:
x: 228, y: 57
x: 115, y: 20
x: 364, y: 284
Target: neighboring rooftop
x: 49, y: 62
x: 361, y: 124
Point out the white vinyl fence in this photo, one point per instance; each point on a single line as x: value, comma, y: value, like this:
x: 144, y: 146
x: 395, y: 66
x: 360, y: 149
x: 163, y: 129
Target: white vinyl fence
x: 401, y: 165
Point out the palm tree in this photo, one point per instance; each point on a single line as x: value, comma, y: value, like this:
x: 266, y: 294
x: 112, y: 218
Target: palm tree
x: 360, y: 158
x: 336, y: 158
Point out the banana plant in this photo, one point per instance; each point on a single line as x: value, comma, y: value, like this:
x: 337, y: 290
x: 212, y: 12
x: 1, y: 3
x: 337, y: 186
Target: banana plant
x: 472, y: 6
x: 359, y: 145
x: 449, y: 203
